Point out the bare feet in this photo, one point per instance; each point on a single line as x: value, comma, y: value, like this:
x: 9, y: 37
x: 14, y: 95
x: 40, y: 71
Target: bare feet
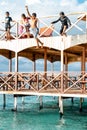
x: 37, y: 47
x: 42, y: 45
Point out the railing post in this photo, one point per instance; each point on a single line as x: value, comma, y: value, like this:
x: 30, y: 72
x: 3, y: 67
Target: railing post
x: 17, y: 30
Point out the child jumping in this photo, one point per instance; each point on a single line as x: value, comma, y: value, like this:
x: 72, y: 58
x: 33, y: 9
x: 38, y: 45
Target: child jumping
x: 64, y: 21
x: 8, y: 21
x: 33, y: 26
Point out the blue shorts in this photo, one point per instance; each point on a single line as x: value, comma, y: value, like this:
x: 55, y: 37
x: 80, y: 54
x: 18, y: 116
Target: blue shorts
x: 34, y: 31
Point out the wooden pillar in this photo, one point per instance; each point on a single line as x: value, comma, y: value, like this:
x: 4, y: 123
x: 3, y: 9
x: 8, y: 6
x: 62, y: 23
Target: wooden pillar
x: 66, y: 70
x: 34, y: 66
x: 81, y: 102
x: 16, y: 82
x: 45, y: 60
x: 61, y: 106
x: 83, y: 59
x: 17, y: 29
x: 83, y: 65
x: 83, y: 68
x: 52, y: 67
x: 41, y: 102
x: 22, y: 100
x: 62, y: 70
x: 66, y: 62
x: 62, y: 61
x: 86, y: 25
x: 4, y: 101
x: 15, y: 103
x: 10, y: 62
x: 45, y: 75
x: 16, y: 62
x: 34, y: 63
x: 10, y: 65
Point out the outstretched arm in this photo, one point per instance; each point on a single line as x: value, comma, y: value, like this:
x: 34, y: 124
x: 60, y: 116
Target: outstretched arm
x: 55, y: 21
x: 26, y: 7
x: 68, y: 20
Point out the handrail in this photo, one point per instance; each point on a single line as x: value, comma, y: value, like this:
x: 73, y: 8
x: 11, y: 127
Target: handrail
x: 40, y: 82
x: 15, y: 26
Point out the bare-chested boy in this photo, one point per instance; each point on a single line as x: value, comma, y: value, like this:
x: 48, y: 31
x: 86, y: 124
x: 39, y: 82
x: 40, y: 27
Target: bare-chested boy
x: 33, y: 26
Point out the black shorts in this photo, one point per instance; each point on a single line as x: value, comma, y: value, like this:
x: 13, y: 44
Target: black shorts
x: 7, y: 27
x: 62, y: 27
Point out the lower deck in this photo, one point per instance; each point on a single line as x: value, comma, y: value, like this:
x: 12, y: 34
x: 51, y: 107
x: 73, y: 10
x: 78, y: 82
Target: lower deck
x: 65, y: 84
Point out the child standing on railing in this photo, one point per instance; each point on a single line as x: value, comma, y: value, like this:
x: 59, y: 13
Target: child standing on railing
x: 24, y: 26
x: 33, y: 26
x: 8, y: 21
x: 64, y: 21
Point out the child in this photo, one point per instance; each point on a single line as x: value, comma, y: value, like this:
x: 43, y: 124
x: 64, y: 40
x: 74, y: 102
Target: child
x: 24, y: 25
x: 64, y: 21
x: 8, y: 20
x: 33, y: 26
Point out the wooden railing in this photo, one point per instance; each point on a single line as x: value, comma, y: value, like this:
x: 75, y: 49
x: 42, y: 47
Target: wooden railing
x: 45, y: 22
x: 40, y: 82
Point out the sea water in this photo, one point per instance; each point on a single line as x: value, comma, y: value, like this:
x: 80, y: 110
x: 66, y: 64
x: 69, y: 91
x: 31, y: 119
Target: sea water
x: 29, y: 117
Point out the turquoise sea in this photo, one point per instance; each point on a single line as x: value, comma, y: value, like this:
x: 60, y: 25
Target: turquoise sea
x: 29, y: 117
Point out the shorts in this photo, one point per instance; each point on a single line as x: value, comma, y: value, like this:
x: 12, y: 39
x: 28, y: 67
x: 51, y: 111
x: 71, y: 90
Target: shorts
x: 7, y: 27
x: 62, y: 27
x: 34, y: 32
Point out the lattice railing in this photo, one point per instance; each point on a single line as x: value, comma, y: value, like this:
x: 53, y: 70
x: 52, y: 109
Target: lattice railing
x: 75, y: 81
x: 45, y: 22
x: 40, y: 82
x: 7, y: 81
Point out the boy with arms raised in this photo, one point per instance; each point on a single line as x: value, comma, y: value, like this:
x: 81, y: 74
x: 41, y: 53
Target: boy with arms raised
x: 33, y: 26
